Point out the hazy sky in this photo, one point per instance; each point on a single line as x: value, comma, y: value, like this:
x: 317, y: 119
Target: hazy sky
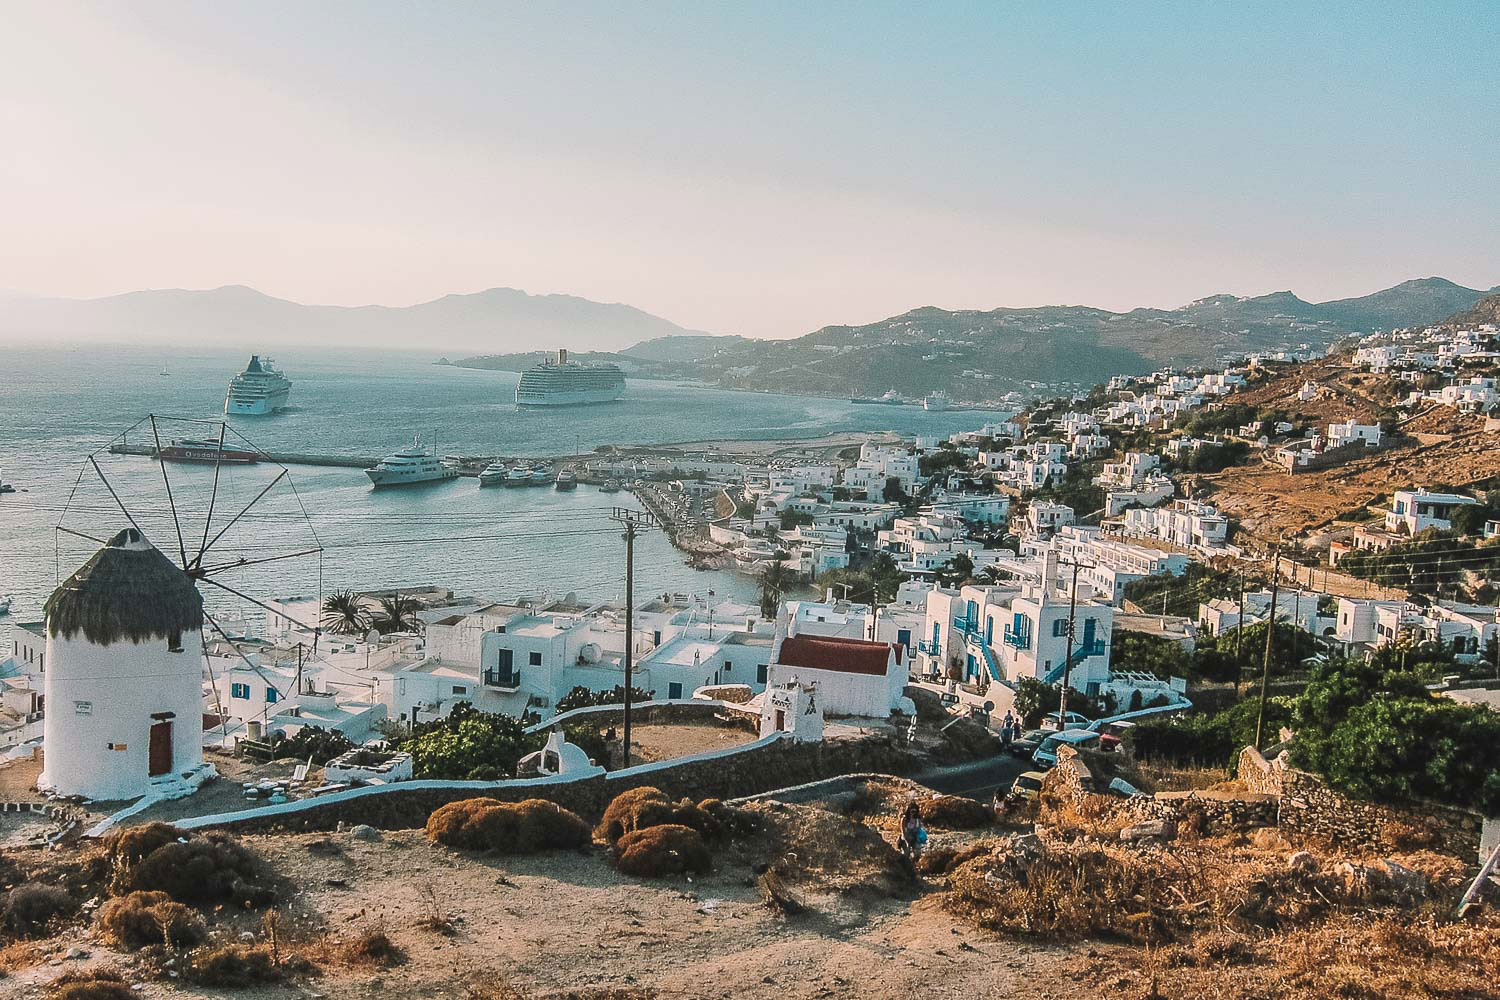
x: 752, y: 168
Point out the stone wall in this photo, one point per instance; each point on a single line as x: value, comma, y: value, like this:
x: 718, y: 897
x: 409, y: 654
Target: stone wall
x: 1209, y: 813
x: 1310, y: 807
x: 657, y: 712
x: 767, y: 764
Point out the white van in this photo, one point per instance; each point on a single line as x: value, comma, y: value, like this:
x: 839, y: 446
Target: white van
x: 1082, y: 739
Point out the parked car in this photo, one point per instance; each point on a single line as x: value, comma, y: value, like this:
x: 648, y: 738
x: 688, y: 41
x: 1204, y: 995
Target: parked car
x: 1025, y: 745
x: 1111, y: 735
x: 1028, y: 785
x: 1082, y: 739
x: 1074, y: 721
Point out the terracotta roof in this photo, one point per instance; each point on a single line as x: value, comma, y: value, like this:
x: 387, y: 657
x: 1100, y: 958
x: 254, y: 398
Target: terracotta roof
x: 849, y: 656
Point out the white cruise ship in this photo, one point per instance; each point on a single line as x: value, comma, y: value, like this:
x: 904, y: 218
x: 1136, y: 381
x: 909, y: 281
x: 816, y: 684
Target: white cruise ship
x: 258, y: 390
x: 410, y: 466
x: 565, y: 383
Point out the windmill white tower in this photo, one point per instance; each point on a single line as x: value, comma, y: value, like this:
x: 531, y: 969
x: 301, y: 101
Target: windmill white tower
x: 125, y: 675
x: 125, y: 647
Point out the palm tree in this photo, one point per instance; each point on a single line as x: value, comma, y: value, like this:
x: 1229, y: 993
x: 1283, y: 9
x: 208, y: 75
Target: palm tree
x: 773, y: 580
x: 343, y: 614
x: 956, y: 570
x: 397, y: 614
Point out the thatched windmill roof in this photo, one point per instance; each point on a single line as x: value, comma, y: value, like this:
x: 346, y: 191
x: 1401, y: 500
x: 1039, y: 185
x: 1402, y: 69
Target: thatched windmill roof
x: 127, y: 590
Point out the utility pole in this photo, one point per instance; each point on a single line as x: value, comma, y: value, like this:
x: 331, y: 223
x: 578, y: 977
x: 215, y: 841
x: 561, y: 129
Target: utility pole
x: 1239, y: 630
x: 1062, y: 702
x: 634, y: 521
x: 1265, y: 667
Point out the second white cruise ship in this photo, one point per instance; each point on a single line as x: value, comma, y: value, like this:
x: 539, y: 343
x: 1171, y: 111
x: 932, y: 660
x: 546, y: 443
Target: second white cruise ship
x: 564, y: 383
x: 410, y: 466
x: 258, y: 390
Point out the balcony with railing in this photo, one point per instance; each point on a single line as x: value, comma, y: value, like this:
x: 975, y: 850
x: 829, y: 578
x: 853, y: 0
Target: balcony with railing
x: 1016, y: 638
x: 929, y: 647
x: 966, y: 626
x: 508, y: 680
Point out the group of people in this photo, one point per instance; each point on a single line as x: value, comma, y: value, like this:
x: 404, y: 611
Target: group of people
x: 1010, y: 728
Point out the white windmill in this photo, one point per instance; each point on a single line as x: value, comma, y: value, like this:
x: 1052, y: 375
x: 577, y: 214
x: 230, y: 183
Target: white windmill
x: 125, y: 708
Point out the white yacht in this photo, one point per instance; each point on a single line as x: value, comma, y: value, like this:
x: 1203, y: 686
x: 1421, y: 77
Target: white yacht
x: 258, y: 390
x: 519, y: 476
x: 937, y: 401
x: 410, y: 466
x: 493, y: 474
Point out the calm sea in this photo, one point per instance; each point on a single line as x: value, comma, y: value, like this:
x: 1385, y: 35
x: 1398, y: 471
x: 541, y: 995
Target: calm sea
x: 59, y: 405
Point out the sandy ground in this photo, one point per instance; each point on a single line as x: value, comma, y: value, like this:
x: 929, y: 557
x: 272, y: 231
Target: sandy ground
x: 569, y: 921
x: 657, y: 742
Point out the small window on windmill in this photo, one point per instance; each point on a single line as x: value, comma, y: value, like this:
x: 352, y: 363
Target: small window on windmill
x: 83, y: 708
x: 174, y: 642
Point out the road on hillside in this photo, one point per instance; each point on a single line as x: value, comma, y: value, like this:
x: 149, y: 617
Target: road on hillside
x: 978, y: 779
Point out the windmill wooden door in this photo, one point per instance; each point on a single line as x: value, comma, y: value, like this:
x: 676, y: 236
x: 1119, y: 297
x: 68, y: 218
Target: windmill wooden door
x: 161, y: 749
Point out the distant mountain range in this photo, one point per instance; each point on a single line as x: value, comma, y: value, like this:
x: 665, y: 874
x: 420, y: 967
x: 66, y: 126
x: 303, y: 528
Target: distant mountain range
x: 497, y: 319
x: 973, y: 355
x: 980, y: 356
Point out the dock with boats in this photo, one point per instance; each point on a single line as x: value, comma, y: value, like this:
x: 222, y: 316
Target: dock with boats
x: 283, y: 457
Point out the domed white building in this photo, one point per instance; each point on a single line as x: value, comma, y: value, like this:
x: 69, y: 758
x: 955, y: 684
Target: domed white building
x: 124, y: 709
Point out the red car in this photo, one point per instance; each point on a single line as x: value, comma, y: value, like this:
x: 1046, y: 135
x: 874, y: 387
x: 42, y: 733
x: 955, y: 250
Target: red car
x: 1111, y: 735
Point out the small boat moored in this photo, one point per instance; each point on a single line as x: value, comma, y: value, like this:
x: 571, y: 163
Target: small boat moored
x: 493, y: 474
x: 609, y: 486
x: 519, y: 476
x: 195, y: 450
x: 567, y: 479
x: 410, y: 466
x: 539, y: 477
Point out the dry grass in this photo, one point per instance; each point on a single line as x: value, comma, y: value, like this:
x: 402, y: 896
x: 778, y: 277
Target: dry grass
x: 485, y: 824
x: 18, y: 955
x: 657, y: 851
x: 235, y: 966
x: 954, y: 812
x: 640, y: 808
x: 373, y: 946
x: 190, y: 868
x: 93, y: 984
x: 33, y: 910
x: 1397, y: 835
x: 943, y: 859
x: 777, y: 892
x: 149, y: 918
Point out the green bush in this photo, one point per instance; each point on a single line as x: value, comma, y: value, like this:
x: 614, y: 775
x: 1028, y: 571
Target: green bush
x: 466, y: 739
x: 322, y: 745
x: 1212, y: 740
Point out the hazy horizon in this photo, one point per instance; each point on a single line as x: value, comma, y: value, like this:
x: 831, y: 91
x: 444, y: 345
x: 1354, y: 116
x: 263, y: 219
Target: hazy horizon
x: 762, y: 172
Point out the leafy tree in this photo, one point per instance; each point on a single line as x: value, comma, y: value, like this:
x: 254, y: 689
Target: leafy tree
x: 582, y: 697
x: 1035, y: 701
x: 956, y: 570
x: 466, y: 739
x: 774, y: 581
x: 942, y: 460
x: 745, y: 509
x: 343, y: 614
x: 1148, y: 653
x: 893, y: 493
x: 1212, y: 739
x: 1469, y: 519
x: 792, y: 519
x: 1215, y: 457
x: 397, y: 614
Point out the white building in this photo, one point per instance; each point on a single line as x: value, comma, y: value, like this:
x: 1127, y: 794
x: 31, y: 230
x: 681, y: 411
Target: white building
x: 1352, y: 432
x: 124, y: 677
x: 1043, y: 518
x: 851, y: 676
x: 1414, y: 511
x: 1187, y: 523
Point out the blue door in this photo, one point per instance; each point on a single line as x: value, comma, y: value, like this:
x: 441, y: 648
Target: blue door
x: 935, y: 627
x: 1088, y: 633
x: 674, y: 691
x: 973, y: 613
x: 989, y: 631
x: 969, y: 671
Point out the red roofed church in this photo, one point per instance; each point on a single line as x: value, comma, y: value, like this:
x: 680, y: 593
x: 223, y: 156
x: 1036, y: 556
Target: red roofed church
x: 853, y: 676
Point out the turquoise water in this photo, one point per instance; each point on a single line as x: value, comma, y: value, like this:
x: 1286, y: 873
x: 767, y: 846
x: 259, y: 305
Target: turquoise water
x: 57, y: 406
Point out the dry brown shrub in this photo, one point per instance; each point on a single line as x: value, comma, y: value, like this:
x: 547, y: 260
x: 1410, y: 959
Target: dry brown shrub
x: 1399, y: 835
x: 640, y: 808
x: 191, y: 868
x: 657, y: 851
x: 149, y: 918
x: 373, y: 946
x: 955, y: 812
x: 32, y: 909
x: 942, y: 860
x: 92, y: 984
x: 18, y: 955
x: 234, y: 965
x: 1098, y: 816
x: 1215, y: 948
x: 486, y: 824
